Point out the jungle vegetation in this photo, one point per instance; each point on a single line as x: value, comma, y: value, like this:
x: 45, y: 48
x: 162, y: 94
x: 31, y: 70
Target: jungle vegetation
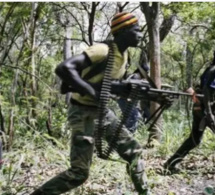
x: 178, y: 44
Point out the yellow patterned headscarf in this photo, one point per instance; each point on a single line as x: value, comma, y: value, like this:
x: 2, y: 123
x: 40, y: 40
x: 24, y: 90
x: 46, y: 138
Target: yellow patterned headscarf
x: 122, y: 20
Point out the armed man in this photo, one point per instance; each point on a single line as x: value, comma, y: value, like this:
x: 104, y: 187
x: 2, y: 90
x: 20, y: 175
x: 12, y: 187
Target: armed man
x: 84, y: 75
x: 203, y: 116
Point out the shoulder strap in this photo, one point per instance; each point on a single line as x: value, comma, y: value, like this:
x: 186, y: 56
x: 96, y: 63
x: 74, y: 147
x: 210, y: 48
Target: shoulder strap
x: 95, y: 70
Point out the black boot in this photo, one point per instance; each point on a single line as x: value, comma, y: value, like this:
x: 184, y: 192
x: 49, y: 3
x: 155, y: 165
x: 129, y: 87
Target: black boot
x: 145, y: 192
x: 169, y: 165
x: 37, y: 192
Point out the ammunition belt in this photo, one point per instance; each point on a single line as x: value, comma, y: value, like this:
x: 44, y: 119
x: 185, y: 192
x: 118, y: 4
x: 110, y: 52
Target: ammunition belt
x: 104, y: 149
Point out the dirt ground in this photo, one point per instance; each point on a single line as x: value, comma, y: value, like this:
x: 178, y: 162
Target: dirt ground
x: 196, y: 177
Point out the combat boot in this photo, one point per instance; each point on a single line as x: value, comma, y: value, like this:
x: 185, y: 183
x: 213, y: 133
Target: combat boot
x: 136, y: 171
x: 37, y: 192
x: 145, y: 192
x: 169, y: 168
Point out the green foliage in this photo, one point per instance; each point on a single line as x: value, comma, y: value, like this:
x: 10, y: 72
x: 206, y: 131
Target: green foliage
x: 22, y: 161
x: 33, y: 157
x: 194, y: 32
x: 176, y: 128
x: 190, y: 11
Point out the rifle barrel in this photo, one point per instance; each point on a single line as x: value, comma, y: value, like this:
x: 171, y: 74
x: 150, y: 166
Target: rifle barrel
x: 177, y: 93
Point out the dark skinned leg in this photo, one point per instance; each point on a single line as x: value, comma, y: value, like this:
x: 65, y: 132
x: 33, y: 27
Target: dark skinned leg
x: 191, y: 142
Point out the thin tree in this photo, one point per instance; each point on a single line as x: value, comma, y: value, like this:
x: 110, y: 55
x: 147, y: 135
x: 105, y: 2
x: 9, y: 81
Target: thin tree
x: 151, y: 13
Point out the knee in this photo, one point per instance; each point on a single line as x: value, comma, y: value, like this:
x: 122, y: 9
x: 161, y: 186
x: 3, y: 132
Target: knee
x: 195, y: 139
x: 129, y: 150
x: 78, y: 175
x: 83, y: 176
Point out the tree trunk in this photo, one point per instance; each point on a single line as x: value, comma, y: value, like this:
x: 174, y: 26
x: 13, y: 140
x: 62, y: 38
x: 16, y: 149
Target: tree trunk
x: 65, y: 22
x: 166, y: 26
x: 151, y: 14
x: 121, y: 7
x: 91, y: 21
x: 2, y: 130
x: 67, y: 51
x: 8, y: 35
x: 189, y: 67
x: 3, y: 141
x: 154, y: 50
x: 35, y: 12
x: 49, y: 121
x: 10, y: 132
x: 189, y: 80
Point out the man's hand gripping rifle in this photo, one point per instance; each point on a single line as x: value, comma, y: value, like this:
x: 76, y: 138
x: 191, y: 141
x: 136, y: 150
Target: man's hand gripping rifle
x: 145, y: 92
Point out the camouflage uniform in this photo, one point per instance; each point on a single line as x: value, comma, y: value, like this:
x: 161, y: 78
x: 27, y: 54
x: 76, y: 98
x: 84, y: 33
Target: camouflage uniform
x: 81, y: 119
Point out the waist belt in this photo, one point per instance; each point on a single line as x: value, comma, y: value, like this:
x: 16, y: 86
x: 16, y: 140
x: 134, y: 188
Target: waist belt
x: 74, y: 102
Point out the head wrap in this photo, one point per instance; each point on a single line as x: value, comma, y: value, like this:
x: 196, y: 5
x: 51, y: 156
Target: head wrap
x: 122, y: 20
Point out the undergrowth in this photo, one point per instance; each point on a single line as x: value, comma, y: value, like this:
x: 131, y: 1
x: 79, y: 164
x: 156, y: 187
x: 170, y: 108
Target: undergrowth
x: 34, y: 159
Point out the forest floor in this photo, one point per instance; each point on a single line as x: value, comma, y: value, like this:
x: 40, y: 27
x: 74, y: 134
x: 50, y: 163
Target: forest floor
x: 29, y: 166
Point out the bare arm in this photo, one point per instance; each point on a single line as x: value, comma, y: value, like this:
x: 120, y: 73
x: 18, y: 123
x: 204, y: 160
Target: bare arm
x: 69, y: 71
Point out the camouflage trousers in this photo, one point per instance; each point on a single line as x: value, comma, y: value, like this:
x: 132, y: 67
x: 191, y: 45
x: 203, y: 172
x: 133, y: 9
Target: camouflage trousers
x: 81, y: 120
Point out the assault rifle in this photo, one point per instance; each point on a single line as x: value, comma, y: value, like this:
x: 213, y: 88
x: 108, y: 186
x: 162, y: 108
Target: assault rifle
x: 145, y: 92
